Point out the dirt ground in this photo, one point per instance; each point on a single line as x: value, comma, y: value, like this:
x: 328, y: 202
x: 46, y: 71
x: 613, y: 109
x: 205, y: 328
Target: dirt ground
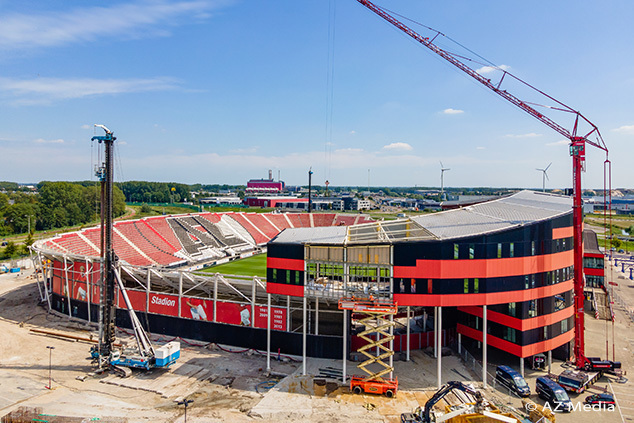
x: 226, y: 386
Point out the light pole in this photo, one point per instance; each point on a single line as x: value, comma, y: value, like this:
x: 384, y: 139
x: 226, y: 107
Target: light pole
x: 28, y: 216
x: 50, y: 358
x: 185, y: 402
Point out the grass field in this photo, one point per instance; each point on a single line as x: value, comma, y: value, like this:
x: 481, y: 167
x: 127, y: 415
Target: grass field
x: 250, y: 266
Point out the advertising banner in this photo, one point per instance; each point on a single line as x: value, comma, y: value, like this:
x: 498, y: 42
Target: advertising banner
x: 278, y: 317
x: 234, y: 313
x: 80, y: 291
x: 165, y: 304
x: 137, y: 299
x: 197, y: 309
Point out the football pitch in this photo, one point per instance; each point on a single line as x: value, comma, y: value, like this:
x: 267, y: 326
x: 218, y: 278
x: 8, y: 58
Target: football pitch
x: 250, y: 266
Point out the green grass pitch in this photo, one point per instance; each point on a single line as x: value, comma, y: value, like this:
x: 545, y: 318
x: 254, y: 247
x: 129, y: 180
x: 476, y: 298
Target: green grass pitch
x: 250, y: 266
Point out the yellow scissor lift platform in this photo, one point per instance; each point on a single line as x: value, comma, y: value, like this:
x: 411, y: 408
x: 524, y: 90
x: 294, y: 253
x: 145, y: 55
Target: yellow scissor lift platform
x: 377, y: 317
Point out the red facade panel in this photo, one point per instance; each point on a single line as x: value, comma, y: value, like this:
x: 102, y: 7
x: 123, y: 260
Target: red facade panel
x: 521, y: 324
x: 455, y: 300
x: 518, y: 350
x: 485, y: 268
x: 285, y: 289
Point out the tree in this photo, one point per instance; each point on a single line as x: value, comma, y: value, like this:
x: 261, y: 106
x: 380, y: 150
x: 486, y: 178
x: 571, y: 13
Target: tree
x: 29, y: 240
x: 616, y: 243
x: 16, y: 217
x: 11, y: 249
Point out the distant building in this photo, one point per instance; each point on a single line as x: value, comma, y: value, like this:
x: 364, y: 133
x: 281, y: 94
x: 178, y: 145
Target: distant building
x: 265, y: 186
x: 221, y: 200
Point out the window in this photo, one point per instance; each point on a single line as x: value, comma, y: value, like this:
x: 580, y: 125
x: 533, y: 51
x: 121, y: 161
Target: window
x: 476, y: 285
x: 564, y: 326
x: 512, y: 247
x: 510, y: 335
x: 532, y: 248
x: 499, y: 250
x: 466, y: 285
x: 297, y: 275
x: 512, y: 307
x: 471, y: 251
x: 526, y: 282
x: 274, y: 275
x: 288, y: 276
x: 456, y: 251
x: 532, y: 308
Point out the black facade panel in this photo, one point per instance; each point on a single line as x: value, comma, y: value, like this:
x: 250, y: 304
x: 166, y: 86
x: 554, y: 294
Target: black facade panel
x: 285, y: 250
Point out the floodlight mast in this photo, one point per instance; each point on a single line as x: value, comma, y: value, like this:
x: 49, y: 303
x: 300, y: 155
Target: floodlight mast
x: 107, y: 322
x: 577, y: 151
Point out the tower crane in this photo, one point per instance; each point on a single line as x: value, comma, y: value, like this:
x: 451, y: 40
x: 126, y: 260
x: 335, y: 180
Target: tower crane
x: 578, y: 140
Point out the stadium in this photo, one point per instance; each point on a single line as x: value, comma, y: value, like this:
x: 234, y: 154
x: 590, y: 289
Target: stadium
x: 503, y: 265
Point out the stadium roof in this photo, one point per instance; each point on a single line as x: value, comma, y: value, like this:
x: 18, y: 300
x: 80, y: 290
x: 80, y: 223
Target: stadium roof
x: 522, y: 208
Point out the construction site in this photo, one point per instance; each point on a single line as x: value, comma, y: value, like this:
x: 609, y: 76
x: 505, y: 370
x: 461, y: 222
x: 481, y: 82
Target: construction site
x: 504, y: 310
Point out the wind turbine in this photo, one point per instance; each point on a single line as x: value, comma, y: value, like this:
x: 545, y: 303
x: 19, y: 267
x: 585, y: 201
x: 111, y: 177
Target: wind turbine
x: 442, y: 179
x: 544, y: 177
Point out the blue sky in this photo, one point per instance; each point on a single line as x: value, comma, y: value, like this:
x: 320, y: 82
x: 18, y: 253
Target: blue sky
x: 215, y: 91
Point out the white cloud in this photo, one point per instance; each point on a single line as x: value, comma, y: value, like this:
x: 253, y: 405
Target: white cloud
x: 451, y: 111
x: 529, y: 135
x: 402, y: 146
x: 625, y: 129
x: 560, y: 142
x: 132, y: 20
x: 352, y: 132
x: 480, y: 148
x: 489, y: 69
x: 47, y: 90
x: 250, y: 150
x: 43, y: 141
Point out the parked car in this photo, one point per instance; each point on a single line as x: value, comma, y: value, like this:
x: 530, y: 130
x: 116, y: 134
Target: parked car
x: 512, y: 380
x: 605, y: 400
x: 553, y: 393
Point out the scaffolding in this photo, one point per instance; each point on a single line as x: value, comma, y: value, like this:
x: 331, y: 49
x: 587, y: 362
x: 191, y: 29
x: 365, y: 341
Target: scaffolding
x: 377, y: 317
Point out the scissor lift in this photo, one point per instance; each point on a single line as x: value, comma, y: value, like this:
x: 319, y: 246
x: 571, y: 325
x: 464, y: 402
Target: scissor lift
x: 376, y: 317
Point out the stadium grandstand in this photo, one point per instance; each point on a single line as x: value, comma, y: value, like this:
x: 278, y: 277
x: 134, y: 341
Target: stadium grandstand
x: 178, y: 240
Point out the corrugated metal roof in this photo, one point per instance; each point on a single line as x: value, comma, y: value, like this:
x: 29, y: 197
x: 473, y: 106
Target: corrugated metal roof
x: 319, y: 235
x: 522, y: 208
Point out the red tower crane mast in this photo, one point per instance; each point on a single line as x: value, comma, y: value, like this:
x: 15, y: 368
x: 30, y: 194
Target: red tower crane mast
x: 577, y: 151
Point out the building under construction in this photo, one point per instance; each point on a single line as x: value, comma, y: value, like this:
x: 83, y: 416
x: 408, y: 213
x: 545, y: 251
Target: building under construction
x: 502, y: 268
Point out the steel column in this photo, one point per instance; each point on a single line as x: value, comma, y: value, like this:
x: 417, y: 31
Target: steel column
x: 304, y: 338
x: 268, y: 333
x: 484, y: 346
x: 439, y: 345
x: 408, y: 333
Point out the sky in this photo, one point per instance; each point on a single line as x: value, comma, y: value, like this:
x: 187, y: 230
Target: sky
x: 221, y: 91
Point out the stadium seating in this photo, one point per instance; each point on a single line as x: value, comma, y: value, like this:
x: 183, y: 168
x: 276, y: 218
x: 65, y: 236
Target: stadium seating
x: 171, y: 240
x: 258, y: 236
x: 160, y: 225
x: 259, y: 221
x: 73, y: 243
x: 345, y: 219
x: 279, y: 220
x: 323, y: 219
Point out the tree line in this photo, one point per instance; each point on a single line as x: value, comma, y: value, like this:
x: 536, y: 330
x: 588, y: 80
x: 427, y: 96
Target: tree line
x: 54, y: 205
